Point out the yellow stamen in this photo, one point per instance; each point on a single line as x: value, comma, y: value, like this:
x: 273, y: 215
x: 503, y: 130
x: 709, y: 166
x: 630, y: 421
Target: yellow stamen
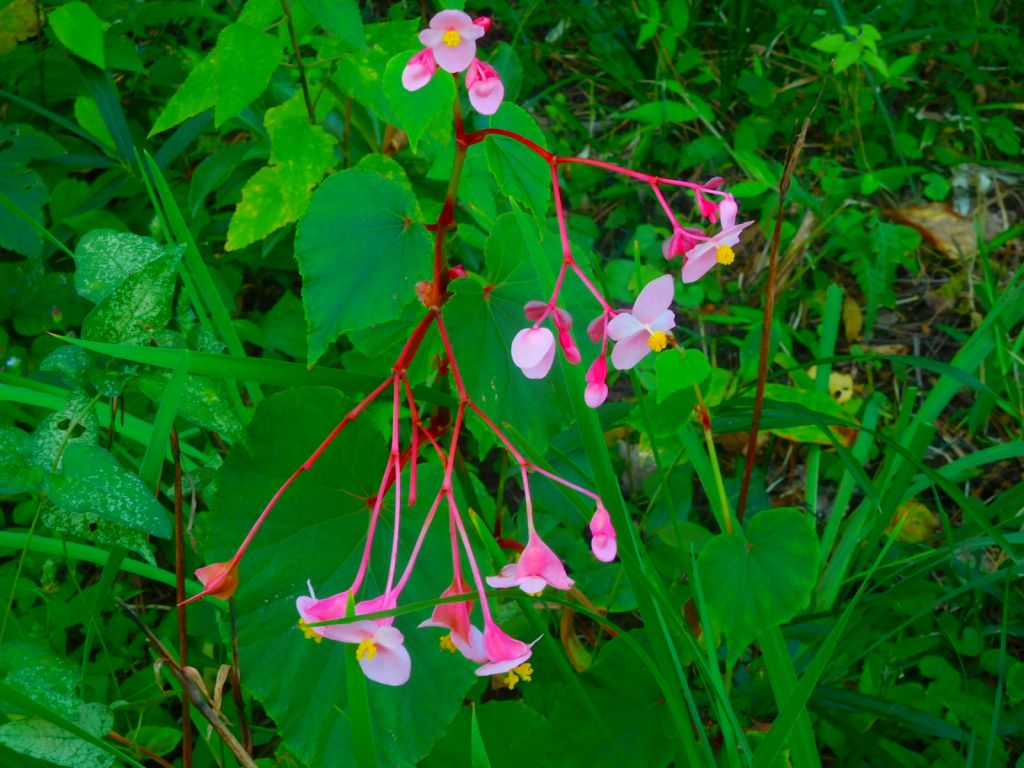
x: 657, y: 341
x: 725, y: 255
x: 366, y: 648
x: 451, y: 38
x: 308, y: 632
x: 523, y: 672
x: 447, y: 644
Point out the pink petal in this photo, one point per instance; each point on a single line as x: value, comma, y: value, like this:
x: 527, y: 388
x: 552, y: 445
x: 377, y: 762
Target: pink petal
x: 604, y: 548
x: 451, y: 19
x: 568, y: 345
x: 622, y: 326
x: 596, y: 329
x: 389, y: 666
x: 455, y: 59
x: 507, y: 577
x: 534, y: 309
x: 538, y: 560
x: 727, y: 212
x: 654, y: 299
x: 595, y: 394
x: 504, y: 651
x: 631, y: 351
x: 530, y: 346
x: 603, y: 542
x: 532, y: 585
x: 540, y: 370
x: 218, y: 579
x: 432, y: 37
x: 472, y: 647
x: 419, y: 70
x: 699, y: 261
x: 664, y: 322
x: 486, y: 96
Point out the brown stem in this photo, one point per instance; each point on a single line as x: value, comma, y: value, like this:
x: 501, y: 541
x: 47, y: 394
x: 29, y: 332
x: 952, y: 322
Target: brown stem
x: 792, y: 155
x: 197, y: 696
x: 179, y: 588
x: 310, y: 109
x: 236, y: 680
x: 138, y: 749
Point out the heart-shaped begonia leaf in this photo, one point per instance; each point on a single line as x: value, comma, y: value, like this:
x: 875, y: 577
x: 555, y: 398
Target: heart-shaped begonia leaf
x: 761, y: 578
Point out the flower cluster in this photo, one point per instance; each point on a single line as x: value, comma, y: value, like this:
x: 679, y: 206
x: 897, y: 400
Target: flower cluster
x: 450, y: 42
x: 644, y: 328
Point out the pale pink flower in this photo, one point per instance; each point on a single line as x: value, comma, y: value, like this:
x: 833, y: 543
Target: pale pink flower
x: 718, y: 249
x: 503, y: 651
x: 536, y: 568
x: 380, y: 648
x: 643, y: 330
x: 467, y: 639
x: 452, y: 37
x: 602, y: 542
x: 419, y: 69
x: 485, y: 87
x: 597, y: 387
x: 533, y: 351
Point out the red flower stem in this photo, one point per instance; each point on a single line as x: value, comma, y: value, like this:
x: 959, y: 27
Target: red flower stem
x: 477, y: 136
x: 522, y: 460
x: 456, y: 375
x: 637, y: 174
x: 528, y: 500
x: 562, y: 481
x: 378, y: 501
x: 419, y: 544
x: 665, y: 205
x: 412, y: 346
x: 304, y: 467
x: 478, y: 581
x: 395, y: 459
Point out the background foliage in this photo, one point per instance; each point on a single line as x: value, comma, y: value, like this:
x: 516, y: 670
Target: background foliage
x: 170, y: 200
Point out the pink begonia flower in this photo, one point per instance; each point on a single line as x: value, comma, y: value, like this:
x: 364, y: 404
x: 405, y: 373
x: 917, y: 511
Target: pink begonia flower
x: 419, y: 69
x: 602, y: 542
x: 597, y: 388
x: 463, y: 636
x: 452, y: 37
x: 680, y: 242
x: 380, y: 648
x: 485, y: 87
x: 718, y: 249
x: 533, y: 351
x: 639, y: 332
x: 536, y: 568
x: 504, y: 652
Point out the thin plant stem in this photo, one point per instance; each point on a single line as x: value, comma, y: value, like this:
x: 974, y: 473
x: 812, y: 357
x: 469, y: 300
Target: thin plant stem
x: 310, y: 109
x: 179, y: 591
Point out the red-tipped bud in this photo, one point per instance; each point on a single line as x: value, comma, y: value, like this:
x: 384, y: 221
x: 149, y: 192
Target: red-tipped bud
x: 218, y: 580
x: 483, y: 21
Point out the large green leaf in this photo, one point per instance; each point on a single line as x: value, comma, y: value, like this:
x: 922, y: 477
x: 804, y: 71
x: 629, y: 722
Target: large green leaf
x: 94, y: 483
x: 483, y: 316
x: 105, y: 258
x: 230, y: 78
x: 17, y: 475
x: 316, y: 532
x: 277, y: 195
x: 520, y: 172
x: 360, y: 248
x: 761, y: 577
x: 339, y: 17
x: 416, y: 110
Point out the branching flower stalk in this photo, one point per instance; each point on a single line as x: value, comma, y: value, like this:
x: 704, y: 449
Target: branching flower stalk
x: 450, y: 44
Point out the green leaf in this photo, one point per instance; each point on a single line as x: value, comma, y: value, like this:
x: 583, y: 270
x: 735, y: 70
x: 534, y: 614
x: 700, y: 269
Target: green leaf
x: 316, y: 532
x: 91, y: 527
x: 74, y: 424
x: 22, y: 195
x: 278, y: 194
x: 105, y: 258
x: 230, y: 78
x: 520, y: 173
x: 416, y: 110
x: 17, y: 475
x: 35, y: 737
x: 202, y: 402
x: 80, y: 30
x: 339, y: 17
x: 937, y: 186
x: 830, y: 43
x: 680, y: 369
x: 94, y: 482
x: 138, y: 308
x: 762, y: 577
x: 661, y: 113
x: 360, y: 247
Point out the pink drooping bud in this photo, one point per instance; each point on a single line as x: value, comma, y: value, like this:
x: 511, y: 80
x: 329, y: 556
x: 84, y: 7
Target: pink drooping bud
x: 419, y: 69
x: 483, y: 21
x: 218, y: 580
x: 602, y: 543
x: 597, y: 387
x: 681, y: 241
x: 456, y: 272
x: 568, y: 345
x: 533, y: 352
x: 708, y: 208
x: 486, y: 90
x: 728, y: 211
x: 503, y: 651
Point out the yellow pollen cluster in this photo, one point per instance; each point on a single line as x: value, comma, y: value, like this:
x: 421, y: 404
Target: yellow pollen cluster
x: 308, y: 632
x: 447, y: 644
x: 366, y: 648
x: 522, y: 672
x: 451, y: 38
x: 725, y: 255
x: 657, y: 341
